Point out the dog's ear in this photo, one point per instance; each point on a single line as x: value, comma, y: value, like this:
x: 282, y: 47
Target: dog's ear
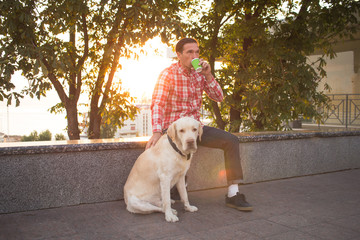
x: 172, y: 131
x: 200, y: 131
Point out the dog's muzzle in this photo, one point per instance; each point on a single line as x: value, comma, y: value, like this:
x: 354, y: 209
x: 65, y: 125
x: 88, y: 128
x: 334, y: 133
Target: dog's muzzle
x: 190, y: 144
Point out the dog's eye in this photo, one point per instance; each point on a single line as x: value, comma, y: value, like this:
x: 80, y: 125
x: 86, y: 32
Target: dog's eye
x: 181, y: 130
x: 194, y: 129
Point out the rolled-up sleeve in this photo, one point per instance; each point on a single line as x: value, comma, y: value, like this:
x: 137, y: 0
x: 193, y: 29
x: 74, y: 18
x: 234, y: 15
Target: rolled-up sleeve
x: 213, y: 90
x: 159, y: 97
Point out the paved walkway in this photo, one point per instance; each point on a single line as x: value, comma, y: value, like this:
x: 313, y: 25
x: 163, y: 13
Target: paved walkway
x: 325, y: 206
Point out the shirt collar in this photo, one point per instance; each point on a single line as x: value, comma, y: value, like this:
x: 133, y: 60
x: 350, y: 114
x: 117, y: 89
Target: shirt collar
x: 184, y: 70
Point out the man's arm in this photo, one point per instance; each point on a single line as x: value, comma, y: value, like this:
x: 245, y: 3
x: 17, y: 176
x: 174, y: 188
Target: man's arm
x: 158, y: 100
x: 212, y: 87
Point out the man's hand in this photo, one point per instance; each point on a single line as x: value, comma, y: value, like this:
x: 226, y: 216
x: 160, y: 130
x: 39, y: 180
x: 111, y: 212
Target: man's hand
x: 206, y: 69
x: 153, y: 140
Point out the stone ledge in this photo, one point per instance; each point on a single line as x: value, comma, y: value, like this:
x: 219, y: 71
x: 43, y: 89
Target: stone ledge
x: 19, y: 148
x: 28, y: 148
x: 288, y: 135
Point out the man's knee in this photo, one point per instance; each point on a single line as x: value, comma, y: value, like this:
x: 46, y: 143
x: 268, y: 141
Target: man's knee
x: 231, y: 138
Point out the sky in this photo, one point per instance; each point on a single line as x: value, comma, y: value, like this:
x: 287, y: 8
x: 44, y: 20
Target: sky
x: 137, y: 76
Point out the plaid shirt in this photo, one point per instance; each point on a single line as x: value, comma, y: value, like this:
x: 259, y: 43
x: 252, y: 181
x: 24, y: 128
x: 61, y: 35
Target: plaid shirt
x: 178, y: 93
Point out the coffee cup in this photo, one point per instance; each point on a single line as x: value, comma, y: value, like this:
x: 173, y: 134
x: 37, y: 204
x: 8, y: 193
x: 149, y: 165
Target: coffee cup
x: 196, y: 64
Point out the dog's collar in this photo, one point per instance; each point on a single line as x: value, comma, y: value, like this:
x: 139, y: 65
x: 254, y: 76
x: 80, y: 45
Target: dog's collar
x: 177, y: 149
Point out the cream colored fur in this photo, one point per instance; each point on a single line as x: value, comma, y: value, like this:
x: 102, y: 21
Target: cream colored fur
x: 159, y: 168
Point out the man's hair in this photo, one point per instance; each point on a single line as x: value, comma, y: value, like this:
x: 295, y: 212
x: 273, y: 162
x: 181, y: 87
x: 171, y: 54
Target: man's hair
x: 180, y: 45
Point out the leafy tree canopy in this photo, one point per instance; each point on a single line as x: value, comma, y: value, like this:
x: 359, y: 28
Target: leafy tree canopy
x: 75, y: 46
x: 263, y: 45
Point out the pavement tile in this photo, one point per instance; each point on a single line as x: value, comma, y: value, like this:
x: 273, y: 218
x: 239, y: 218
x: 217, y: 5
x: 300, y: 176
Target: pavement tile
x: 349, y: 222
x: 105, y: 234
x: 96, y: 224
x: 292, y: 235
x: 10, y: 231
x: 265, y: 211
x: 181, y: 237
x: 229, y: 232
x: 156, y: 230
x: 262, y: 228
x: 98, y: 236
x: 192, y: 224
x: 52, y: 229
x: 327, y: 209
x: 330, y: 231
x: 294, y: 220
x: 316, y: 207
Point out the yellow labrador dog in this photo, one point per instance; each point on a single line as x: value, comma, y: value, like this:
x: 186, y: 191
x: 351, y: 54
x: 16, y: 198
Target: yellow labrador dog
x: 162, y: 166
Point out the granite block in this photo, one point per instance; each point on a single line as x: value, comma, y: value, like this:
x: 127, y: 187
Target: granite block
x: 36, y: 181
x: 53, y: 174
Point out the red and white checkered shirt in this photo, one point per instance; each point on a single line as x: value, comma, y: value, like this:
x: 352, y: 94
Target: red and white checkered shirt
x: 178, y: 93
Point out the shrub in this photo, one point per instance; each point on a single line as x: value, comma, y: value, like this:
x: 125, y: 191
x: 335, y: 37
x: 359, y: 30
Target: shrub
x: 32, y: 137
x: 45, y: 135
x: 59, y: 136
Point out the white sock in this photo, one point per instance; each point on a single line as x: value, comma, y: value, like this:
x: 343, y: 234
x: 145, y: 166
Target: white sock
x: 233, y: 190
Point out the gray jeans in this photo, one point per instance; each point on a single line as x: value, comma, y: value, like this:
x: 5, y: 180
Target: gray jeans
x: 229, y: 143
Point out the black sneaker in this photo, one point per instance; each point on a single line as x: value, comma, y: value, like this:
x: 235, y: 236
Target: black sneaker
x: 238, y: 201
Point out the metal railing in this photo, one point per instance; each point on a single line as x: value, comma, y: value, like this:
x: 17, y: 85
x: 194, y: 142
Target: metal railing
x: 343, y: 109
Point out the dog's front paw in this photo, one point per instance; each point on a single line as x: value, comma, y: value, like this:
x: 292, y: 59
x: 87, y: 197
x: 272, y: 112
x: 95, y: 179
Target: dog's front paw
x: 191, y: 208
x: 170, y: 217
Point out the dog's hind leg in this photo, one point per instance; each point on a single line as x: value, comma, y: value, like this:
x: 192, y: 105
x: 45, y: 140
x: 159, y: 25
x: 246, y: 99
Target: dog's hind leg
x: 135, y: 205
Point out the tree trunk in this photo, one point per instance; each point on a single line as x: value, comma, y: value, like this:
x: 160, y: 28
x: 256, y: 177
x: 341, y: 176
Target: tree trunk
x: 107, y: 60
x: 95, y: 122
x: 218, y: 119
x: 235, y: 120
x: 72, y: 120
x: 259, y: 122
x: 95, y: 116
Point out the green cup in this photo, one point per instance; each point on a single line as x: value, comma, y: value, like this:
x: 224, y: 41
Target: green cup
x: 196, y: 64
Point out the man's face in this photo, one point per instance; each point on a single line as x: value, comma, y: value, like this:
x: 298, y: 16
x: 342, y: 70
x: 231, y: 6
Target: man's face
x: 190, y: 51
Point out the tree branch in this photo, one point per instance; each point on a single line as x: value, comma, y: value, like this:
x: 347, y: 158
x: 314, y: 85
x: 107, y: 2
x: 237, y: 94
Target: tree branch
x: 58, y: 87
x: 114, y: 65
x: 83, y: 58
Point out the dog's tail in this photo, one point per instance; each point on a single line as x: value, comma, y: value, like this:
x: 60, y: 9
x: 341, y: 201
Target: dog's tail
x: 135, y: 205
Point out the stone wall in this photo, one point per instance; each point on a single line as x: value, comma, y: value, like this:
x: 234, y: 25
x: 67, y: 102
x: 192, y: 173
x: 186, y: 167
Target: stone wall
x: 45, y: 175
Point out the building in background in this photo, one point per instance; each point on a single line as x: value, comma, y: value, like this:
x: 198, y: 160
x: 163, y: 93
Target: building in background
x: 343, y: 72
x: 343, y: 77
x: 139, y: 127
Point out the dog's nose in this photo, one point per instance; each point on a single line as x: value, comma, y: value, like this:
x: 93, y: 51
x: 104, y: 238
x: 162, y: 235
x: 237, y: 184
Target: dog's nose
x: 190, y: 141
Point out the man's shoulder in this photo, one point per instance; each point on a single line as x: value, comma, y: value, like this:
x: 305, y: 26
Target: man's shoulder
x: 171, y: 68
x: 169, y: 72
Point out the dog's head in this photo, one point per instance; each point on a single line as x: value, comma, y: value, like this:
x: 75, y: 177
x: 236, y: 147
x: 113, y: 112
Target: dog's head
x: 184, y: 133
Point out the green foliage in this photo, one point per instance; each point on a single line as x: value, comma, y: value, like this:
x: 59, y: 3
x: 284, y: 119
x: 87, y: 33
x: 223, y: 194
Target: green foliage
x: 107, y: 131
x: 59, y: 137
x: 119, y: 108
x: 75, y: 47
x: 45, y: 135
x: 34, y: 136
x: 266, y: 75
